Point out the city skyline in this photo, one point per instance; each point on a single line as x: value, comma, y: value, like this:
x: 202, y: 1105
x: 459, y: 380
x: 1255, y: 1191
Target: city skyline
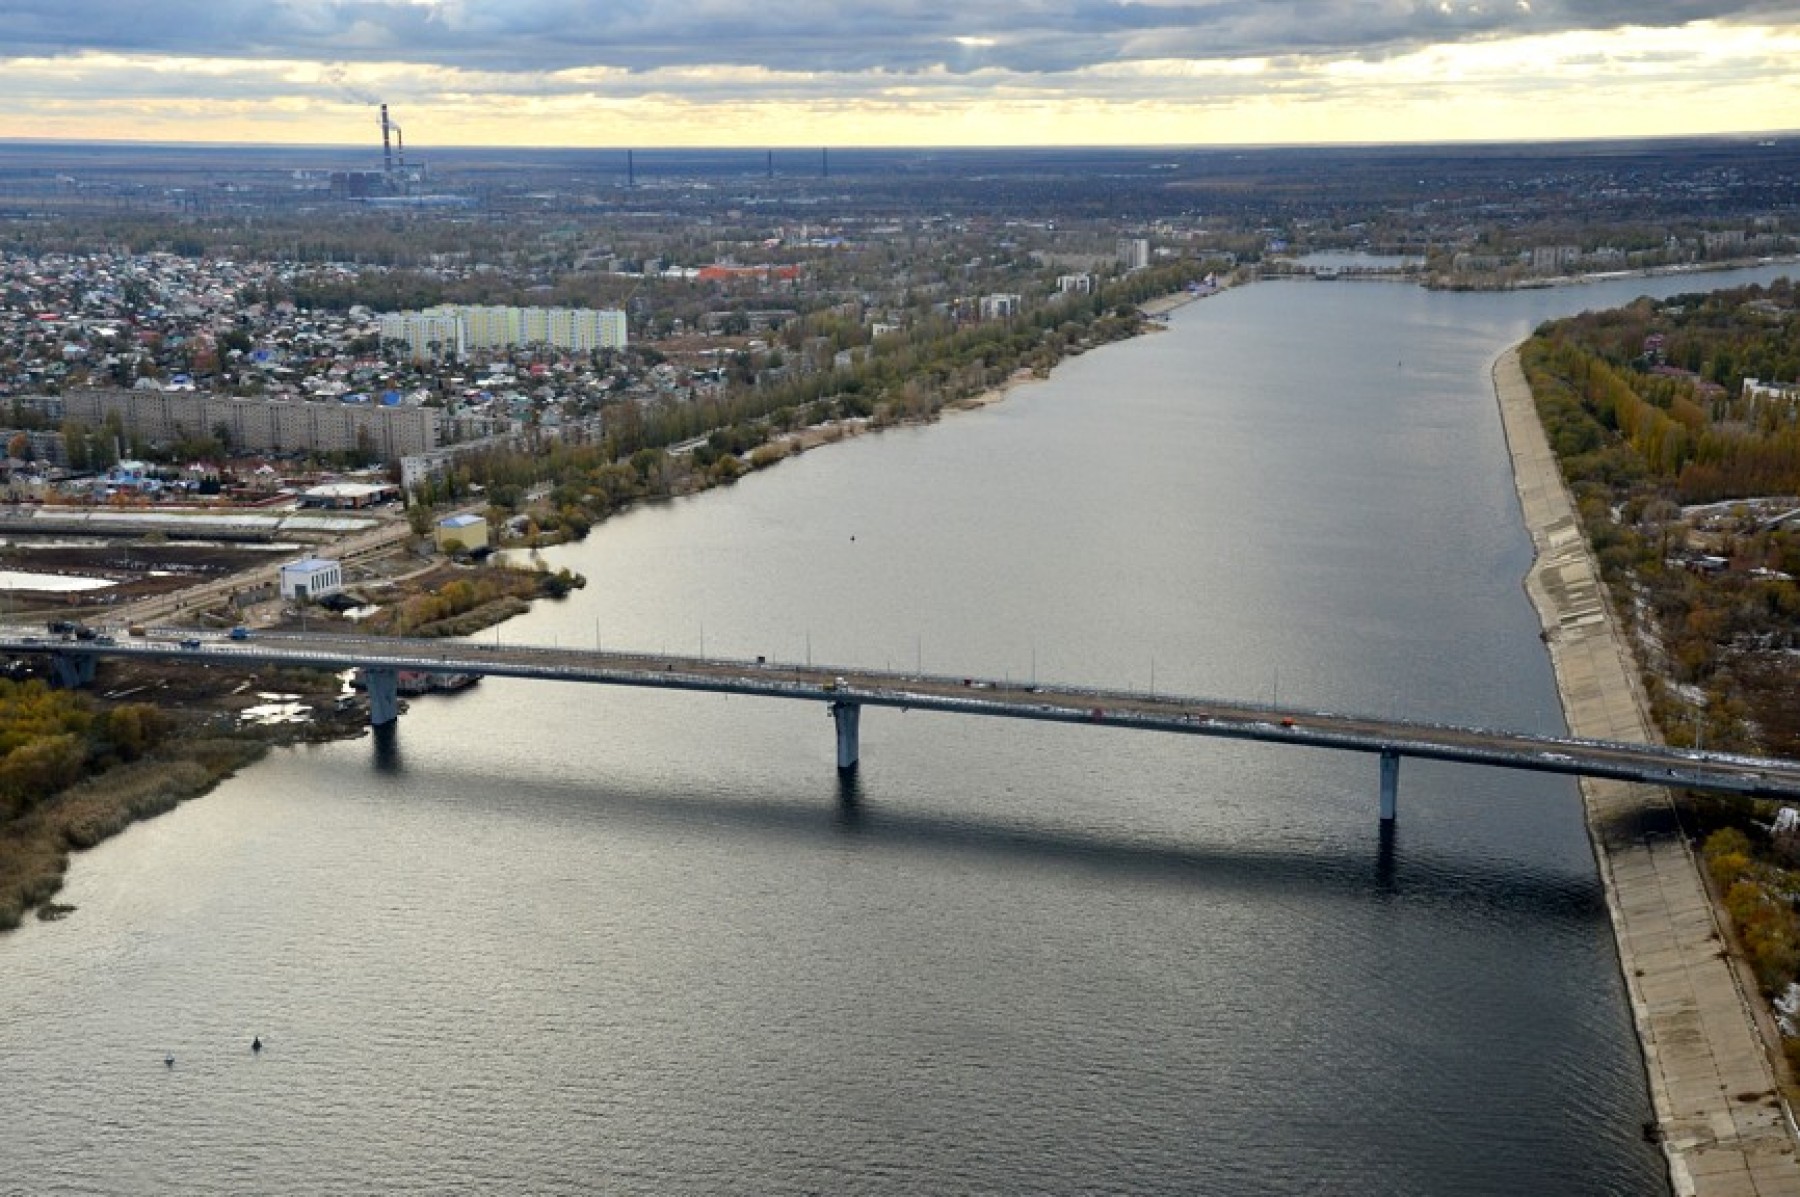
x: 897, y: 72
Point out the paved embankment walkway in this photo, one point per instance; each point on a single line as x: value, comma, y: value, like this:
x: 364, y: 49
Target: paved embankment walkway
x: 1723, y: 1130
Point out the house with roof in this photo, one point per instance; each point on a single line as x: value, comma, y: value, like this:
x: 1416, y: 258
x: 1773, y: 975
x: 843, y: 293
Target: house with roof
x: 461, y: 534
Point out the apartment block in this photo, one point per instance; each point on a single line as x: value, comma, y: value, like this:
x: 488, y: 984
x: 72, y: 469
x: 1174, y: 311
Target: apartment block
x: 262, y: 425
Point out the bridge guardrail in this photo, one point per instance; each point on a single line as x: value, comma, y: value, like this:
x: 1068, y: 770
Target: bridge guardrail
x: 1736, y: 773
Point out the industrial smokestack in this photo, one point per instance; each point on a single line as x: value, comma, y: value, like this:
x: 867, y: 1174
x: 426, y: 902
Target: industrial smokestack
x: 630, y: 170
x: 387, y: 151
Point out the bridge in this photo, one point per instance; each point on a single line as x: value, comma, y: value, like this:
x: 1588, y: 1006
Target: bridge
x: 846, y: 690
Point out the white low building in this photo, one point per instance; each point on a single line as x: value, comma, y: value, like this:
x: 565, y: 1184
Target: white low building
x: 311, y: 578
x: 348, y: 495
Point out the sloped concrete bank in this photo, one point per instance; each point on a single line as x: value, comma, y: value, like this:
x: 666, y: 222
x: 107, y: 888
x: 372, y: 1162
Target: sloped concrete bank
x: 1723, y: 1129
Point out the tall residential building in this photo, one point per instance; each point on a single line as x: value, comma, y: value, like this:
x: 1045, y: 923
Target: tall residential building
x: 465, y: 327
x: 428, y: 335
x: 1548, y: 259
x: 1134, y: 253
x: 262, y: 425
x: 999, y: 306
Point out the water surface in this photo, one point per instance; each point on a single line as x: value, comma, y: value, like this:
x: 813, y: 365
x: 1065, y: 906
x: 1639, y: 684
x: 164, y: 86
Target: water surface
x: 566, y: 940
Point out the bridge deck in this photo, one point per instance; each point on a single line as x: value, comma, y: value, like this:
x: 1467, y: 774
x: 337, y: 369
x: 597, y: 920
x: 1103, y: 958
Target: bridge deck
x: 1169, y: 713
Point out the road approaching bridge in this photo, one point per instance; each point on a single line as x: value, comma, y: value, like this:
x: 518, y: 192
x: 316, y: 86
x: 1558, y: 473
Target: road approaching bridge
x: 846, y: 690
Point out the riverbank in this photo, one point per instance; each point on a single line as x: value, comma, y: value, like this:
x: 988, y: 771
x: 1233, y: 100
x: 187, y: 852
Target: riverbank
x: 1162, y: 305
x: 224, y: 717
x: 1481, y: 283
x: 1721, y: 1123
x: 35, y: 848
x: 831, y: 431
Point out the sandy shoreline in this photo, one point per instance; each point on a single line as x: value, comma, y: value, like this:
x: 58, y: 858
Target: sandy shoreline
x: 1722, y: 1127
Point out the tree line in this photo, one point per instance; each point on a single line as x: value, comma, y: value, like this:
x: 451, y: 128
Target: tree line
x: 1649, y: 414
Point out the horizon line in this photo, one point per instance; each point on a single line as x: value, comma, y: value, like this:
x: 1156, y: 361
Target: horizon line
x: 814, y: 147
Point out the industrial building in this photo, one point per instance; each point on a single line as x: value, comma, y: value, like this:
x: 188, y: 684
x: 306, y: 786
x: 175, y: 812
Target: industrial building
x: 397, y: 183
x: 349, y: 496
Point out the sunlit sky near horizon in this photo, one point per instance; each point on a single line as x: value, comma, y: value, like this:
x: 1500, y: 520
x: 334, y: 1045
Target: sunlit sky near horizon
x: 896, y: 72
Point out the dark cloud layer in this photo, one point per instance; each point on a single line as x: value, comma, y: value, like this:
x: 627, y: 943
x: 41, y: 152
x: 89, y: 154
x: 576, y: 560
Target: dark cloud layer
x: 830, y: 36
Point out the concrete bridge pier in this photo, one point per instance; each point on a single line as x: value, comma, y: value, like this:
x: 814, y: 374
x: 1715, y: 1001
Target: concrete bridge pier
x: 71, y: 671
x: 848, y: 717
x: 1390, y: 784
x: 384, y: 696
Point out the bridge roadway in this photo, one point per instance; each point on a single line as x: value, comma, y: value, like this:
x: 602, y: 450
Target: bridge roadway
x: 847, y: 689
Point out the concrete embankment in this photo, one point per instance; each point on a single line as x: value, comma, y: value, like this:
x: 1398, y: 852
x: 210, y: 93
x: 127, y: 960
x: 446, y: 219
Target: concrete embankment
x: 1722, y: 1127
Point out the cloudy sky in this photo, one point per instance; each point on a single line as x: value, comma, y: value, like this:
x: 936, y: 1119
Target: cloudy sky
x: 895, y: 72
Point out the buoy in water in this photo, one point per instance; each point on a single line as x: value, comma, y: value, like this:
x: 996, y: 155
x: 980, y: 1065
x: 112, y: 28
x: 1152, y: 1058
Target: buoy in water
x: 168, y: 1061
x: 256, y: 1044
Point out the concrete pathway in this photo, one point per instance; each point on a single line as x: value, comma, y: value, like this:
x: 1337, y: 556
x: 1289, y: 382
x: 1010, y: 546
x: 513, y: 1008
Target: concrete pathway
x: 1723, y: 1128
